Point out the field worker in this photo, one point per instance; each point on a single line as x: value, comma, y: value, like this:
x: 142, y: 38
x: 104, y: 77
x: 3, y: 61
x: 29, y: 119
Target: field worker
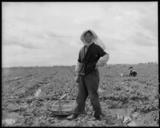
x: 132, y: 72
x: 91, y: 56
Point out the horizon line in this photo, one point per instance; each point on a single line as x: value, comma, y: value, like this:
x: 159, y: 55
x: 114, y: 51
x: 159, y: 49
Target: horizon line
x: 75, y: 64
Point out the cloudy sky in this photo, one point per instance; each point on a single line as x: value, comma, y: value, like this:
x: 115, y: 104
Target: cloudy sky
x: 46, y: 34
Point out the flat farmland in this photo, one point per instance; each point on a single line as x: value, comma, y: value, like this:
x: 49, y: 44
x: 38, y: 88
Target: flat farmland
x: 28, y: 93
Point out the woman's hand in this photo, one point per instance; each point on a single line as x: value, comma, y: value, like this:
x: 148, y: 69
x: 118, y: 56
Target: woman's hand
x: 77, y: 78
x: 78, y: 67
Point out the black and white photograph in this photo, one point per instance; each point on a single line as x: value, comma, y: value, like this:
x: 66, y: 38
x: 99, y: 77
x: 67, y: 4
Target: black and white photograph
x: 80, y: 64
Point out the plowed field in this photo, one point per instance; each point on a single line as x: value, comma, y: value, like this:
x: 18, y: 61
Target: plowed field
x: 29, y: 93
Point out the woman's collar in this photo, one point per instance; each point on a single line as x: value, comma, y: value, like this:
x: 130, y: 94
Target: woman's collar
x: 89, y: 44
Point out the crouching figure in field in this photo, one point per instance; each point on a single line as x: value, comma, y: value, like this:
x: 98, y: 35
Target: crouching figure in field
x: 132, y: 72
x: 91, y: 56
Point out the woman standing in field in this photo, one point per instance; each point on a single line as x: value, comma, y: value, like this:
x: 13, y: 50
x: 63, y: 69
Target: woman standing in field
x: 91, y: 56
